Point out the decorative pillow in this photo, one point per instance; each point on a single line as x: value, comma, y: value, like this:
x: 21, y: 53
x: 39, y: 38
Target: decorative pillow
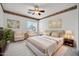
x: 61, y: 34
x: 46, y: 33
x: 55, y: 34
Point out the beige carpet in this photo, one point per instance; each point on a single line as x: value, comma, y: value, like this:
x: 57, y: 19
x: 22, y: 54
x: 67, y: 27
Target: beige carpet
x: 66, y: 51
x: 20, y: 49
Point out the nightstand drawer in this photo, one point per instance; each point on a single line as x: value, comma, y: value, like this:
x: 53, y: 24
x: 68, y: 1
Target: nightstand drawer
x: 69, y: 42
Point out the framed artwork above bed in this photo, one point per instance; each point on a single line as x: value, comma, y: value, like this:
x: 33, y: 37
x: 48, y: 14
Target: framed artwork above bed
x: 56, y: 23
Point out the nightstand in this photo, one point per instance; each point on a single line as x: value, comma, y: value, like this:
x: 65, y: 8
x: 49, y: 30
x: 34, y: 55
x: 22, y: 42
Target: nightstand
x: 69, y: 42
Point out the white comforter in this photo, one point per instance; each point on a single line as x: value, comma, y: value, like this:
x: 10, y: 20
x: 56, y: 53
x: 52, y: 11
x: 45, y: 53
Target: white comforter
x: 45, y: 44
x: 57, y: 39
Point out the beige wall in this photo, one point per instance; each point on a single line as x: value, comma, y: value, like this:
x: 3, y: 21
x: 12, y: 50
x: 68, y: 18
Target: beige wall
x: 69, y: 22
x: 23, y: 20
x: 78, y: 28
x: 2, y: 18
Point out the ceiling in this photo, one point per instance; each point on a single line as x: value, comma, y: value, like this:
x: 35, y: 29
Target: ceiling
x: 50, y: 8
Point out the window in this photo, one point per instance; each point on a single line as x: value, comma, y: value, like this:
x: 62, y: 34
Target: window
x: 32, y: 26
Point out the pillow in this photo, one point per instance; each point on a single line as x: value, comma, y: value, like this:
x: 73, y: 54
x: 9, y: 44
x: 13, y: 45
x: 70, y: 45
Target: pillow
x: 61, y: 34
x: 55, y: 34
x: 46, y: 33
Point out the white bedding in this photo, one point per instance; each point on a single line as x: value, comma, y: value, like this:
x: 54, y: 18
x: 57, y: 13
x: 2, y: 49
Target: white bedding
x: 45, y: 44
x: 58, y: 40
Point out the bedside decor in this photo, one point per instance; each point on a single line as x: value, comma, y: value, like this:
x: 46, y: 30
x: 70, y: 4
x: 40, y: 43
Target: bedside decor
x: 69, y: 38
x: 68, y: 35
x: 57, y: 23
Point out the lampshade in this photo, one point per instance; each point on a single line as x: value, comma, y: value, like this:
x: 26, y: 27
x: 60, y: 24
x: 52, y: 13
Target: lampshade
x: 68, y: 34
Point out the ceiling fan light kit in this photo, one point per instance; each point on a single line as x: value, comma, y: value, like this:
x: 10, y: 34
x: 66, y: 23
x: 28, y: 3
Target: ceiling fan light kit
x: 36, y: 10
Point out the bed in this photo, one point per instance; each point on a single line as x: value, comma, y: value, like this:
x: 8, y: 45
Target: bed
x: 44, y: 45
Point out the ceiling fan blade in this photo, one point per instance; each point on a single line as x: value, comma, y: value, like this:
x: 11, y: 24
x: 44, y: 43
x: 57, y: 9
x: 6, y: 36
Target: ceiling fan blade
x: 33, y: 13
x: 39, y: 13
x: 42, y: 11
x: 31, y: 10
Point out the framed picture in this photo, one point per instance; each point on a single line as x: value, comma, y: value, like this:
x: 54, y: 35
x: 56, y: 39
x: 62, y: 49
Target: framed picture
x: 13, y: 23
x: 57, y: 23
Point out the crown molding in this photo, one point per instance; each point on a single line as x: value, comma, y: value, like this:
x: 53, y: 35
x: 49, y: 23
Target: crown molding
x: 60, y: 12
x: 14, y: 13
x: 57, y: 13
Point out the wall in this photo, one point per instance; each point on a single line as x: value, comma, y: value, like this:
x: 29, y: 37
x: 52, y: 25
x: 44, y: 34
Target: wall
x: 2, y: 18
x: 69, y: 22
x: 78, y: 29
x: 22, y: 20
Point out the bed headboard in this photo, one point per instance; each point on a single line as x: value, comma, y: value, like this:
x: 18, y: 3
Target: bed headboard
x: 55, y: 33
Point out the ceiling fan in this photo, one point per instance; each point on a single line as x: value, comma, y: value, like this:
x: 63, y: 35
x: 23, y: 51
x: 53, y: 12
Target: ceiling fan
x: 36, y: 10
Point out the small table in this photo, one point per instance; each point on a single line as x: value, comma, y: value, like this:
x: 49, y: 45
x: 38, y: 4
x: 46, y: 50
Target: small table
x: 69, y: 42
